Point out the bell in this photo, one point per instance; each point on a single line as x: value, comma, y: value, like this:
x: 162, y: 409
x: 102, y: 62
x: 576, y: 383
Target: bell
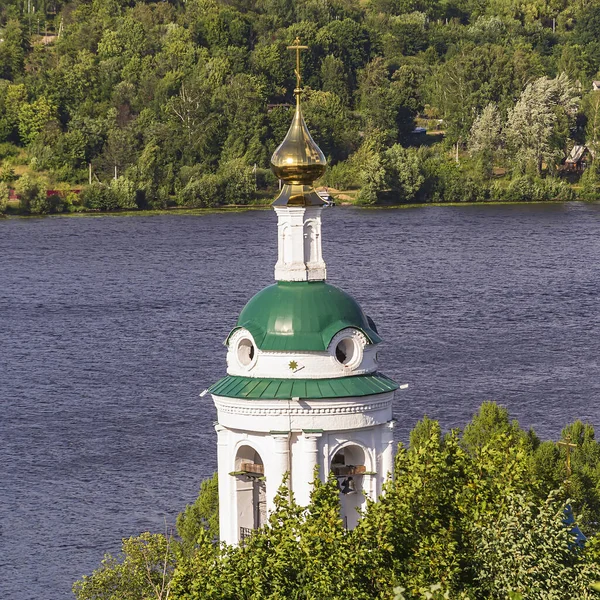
x: 348, y: 486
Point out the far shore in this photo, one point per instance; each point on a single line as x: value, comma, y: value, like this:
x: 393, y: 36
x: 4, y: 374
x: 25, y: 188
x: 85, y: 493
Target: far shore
x: 245, y: 208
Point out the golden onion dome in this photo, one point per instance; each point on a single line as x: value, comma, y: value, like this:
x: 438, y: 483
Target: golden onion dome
x: 298, y: 160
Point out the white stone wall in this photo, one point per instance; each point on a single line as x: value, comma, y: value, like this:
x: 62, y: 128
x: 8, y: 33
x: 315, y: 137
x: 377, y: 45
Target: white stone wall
x: 295, y: 436
x: 305, y: 365
x: 336, y: 414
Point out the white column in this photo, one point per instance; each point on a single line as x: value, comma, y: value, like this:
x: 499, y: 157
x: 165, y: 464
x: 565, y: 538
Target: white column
x: 299, y: 240
x: 386, y: 468
x: 227, y: 499
x: 306, y: 464
x: 276, y: 466
x: 312, y: 221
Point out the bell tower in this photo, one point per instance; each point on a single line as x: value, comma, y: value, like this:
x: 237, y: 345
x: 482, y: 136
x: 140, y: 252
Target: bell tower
x: 303, y: 388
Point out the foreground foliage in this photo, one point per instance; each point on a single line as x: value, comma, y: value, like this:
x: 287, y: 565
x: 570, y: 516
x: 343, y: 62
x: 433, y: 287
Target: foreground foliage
x: 471, y: 515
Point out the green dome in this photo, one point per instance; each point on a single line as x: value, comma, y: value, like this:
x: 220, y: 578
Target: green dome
x: 302, y: 316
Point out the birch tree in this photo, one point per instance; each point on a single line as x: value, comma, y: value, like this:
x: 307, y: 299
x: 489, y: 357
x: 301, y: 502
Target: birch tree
x: 591, y: 107
x: 485, y: 137
x: 537, y: 127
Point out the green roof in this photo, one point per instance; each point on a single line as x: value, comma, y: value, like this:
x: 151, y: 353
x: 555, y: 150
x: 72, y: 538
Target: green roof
x: 258, y: 388
x: 302, y: 316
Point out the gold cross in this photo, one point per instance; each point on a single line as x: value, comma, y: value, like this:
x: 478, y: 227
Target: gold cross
x: 297, y: 47
x: 568, y: 445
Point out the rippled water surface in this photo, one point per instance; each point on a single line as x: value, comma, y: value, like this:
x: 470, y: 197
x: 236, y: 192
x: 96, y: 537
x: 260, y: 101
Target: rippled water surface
x: 110, y: 327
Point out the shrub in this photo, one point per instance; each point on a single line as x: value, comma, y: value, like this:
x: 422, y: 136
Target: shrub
x: 367, y: 195
x: 8, y: 150
x: 7, y: 174
x: 526, y: 188
x: 403, y: 172
x: 152, y: 196
x: 201, y: 193
x: 590, y: 184
x: 342, y: 176
x: 187, y: 174
x: 119, y: 194
x: 71, y: 200
x: 446, y: 181
x: 265, y: 178
x: 4, y: 195
x: 555, y: 189
x: 32, y: 195
x: 55, y: 204
x: 238, y: 185
x: 122, y: 192
x: 97, y: 197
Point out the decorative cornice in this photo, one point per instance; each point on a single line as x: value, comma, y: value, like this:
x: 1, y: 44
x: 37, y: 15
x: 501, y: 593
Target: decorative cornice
x: 272, y: 411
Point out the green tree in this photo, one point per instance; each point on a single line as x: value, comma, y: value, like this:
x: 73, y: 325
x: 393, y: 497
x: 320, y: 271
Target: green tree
x: 12, y: 99
x: 151, y: 175
x: 591, y: 109
x: 32, y: 195
x: 334, y: 78
x: 348, y: 41
x: 403, y: 172
x: 485, y: 138
x: 202, y: 515
x: 123, y: 192
x: 4, y: 196
x: 538, y: 126
x: 330, y: 123
x: 381, y: 102
x: 590, y: 183
x: 97, y: 197
x: 489, y: 423
x: 406, y: 35
x: 12, y: 50
x: 527, y: 549
x: 472, y: 77
x: 367, y: 164
x: 202, y: 192
x: 237, y: 182
x: 461, y: 519
x: 268, y: 62
x: 34, y: 117
x: 142, y: 571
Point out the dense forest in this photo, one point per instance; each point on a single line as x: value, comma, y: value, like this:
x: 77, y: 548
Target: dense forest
x: 181, y: 103
x: 477, y: 514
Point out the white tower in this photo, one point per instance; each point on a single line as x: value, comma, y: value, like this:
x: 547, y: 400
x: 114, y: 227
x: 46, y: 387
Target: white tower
x: 302, y: 389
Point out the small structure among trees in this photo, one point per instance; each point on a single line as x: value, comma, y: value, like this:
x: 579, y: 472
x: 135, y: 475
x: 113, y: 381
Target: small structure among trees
x: 579, y: 159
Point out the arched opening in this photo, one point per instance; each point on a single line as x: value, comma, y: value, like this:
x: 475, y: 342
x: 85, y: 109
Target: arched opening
x: 347, y: 347
x: 348, y: 465
x: 245, y: 352
x: 346, y: 351
x: 286, y: 245
x: 251, y: 496
x: 310, y: 244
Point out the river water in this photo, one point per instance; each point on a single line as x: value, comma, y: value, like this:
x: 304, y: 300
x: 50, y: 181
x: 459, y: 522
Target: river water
x: 111, y: 326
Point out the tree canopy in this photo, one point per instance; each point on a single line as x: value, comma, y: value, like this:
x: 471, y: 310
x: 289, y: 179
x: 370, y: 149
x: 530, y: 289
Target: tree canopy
x: 477, y: 514
x: 175, y: 96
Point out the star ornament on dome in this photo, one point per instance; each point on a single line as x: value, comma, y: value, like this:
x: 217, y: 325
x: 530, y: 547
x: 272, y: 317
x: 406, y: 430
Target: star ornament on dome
x: 293, y: 365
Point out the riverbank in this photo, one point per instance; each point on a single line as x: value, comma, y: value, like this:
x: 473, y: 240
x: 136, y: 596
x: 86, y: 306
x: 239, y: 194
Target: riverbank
x: 341, y: 197
x: 260, y: 207
x: 140, y: 212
